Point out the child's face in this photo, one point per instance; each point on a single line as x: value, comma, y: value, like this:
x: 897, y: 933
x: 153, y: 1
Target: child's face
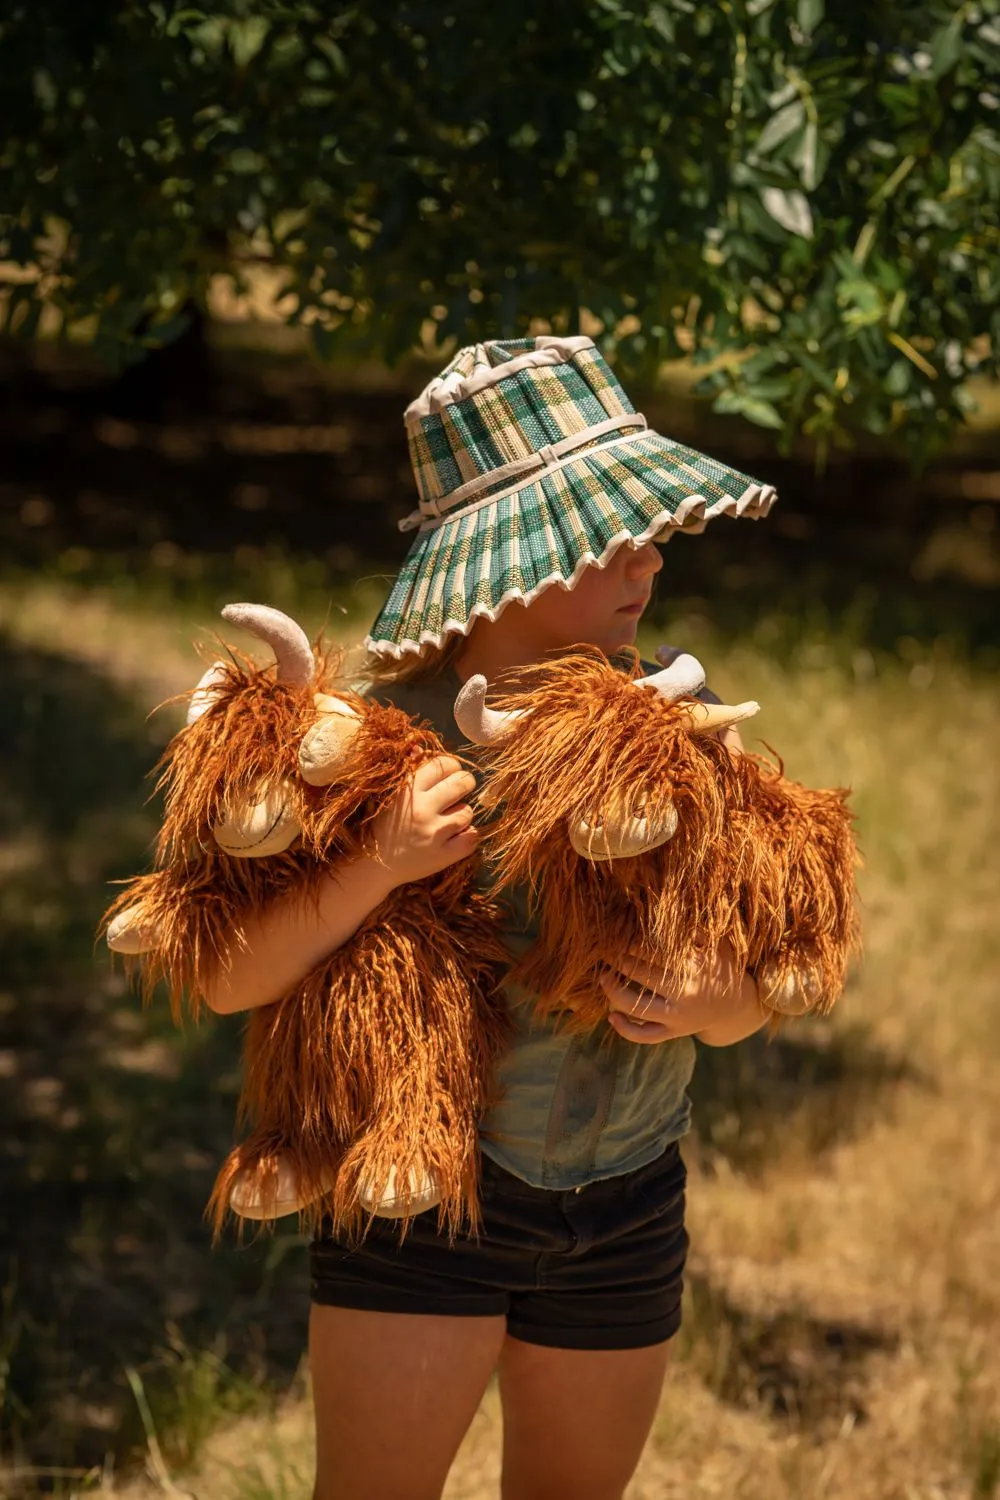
x: 605, y: 607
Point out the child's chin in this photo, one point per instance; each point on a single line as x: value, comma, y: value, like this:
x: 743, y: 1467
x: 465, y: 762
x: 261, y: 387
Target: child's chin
x: 624, y: 634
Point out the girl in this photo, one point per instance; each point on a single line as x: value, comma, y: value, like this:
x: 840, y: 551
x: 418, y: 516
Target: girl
x: 533, y: 470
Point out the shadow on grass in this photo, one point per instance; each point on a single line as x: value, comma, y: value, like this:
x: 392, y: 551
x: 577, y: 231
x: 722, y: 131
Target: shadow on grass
x: 112, y: 1124
x: 802, y: 1370
x: 803, y: 1091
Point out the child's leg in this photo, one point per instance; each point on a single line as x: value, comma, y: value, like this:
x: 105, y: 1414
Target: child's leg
x: 394, y: 1394
x: 575, y: 1421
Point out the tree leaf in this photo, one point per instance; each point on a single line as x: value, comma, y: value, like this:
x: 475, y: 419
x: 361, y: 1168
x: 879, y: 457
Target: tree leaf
x: 780, y: 126
x: 807, y: 156
x: 810, y: 14
x: 946, y: 45
x: 739, y: 403
x: 334, y: 53
x: 790, y: 209
x: 660, y: 20
x: 246, y: 37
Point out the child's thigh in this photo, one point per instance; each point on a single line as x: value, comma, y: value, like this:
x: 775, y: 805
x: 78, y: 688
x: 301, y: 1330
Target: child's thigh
x: 575, y: 1421
x: 394, y: 1394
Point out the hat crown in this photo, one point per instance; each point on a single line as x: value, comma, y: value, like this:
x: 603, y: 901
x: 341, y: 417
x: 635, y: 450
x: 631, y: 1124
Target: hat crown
x: 533, y: 465
x: 499, y: 403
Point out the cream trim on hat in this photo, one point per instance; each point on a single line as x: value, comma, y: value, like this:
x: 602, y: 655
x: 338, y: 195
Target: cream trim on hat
x: 523, y: 471
x: 448, y: 389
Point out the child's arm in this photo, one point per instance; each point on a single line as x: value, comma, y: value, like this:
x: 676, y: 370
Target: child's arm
x: 747, y: 1016
x: 425, y: 828
x: 718, y: 1004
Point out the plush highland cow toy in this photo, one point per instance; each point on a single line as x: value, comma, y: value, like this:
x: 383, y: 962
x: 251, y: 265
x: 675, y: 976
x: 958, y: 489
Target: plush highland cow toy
x: 636, y: 829
x: 362, y: 1088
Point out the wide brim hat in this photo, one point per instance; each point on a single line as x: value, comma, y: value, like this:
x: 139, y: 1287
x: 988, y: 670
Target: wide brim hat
x: 531, y: 465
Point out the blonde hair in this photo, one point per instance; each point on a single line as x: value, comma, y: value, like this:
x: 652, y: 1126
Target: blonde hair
x: 413, y: 666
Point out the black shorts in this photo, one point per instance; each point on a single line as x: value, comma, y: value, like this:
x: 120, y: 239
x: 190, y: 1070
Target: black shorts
x: 596, y: 1268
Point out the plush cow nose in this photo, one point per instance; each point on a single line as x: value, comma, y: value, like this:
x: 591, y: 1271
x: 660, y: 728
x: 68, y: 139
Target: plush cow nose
x: 624, y: 837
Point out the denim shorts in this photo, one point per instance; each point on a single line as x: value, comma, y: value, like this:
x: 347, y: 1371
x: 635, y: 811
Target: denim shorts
x: 597, y: 1267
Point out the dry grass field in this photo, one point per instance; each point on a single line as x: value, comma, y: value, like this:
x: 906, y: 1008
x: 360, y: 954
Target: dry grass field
x: 842, y: 1320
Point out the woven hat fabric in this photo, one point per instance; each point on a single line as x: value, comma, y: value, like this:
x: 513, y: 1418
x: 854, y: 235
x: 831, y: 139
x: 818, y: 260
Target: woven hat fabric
x: 531, y: 465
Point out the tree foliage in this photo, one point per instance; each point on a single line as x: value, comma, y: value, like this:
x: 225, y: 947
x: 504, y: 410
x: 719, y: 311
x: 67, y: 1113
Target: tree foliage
x: 804, y: 195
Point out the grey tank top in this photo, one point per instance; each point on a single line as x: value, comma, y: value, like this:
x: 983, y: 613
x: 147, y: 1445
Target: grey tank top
x: 572, y: 1109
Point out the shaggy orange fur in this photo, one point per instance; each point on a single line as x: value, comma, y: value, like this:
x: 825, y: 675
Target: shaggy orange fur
x: 378, y: 1060
x: 756, y: 859
x: 384, y: 1055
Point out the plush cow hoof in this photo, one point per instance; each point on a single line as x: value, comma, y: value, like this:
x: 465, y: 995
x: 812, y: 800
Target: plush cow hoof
x: 129, y: 933
x: 394, y: 1204
x: 249, y: 1201
x: 794, y: 995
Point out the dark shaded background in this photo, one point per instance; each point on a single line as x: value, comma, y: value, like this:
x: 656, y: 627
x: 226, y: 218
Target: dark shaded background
x: 205, y: 455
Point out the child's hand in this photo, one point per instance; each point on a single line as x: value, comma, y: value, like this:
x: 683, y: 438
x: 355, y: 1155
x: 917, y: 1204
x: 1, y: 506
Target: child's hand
x: 428, y: 824
x: 717, y: 1004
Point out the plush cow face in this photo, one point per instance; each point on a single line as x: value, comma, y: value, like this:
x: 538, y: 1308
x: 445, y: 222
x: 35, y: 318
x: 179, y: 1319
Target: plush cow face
x: 636, y: 829
x: 256, y: 742
x: 608, y: 755
x: 607, y: 797
x: 273, y: 774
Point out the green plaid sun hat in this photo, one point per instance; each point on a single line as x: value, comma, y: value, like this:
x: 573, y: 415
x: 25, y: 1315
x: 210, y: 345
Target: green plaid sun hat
x: 531, y: 465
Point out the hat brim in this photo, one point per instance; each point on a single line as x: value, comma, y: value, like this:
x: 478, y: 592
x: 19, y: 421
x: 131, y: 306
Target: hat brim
x: 546, y: 532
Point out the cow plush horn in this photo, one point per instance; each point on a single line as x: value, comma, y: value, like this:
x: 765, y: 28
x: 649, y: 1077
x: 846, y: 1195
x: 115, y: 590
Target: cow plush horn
x: 206, y: 691
x: 479, y: 724
x: 261, y: 822
x: 684, y: 677
x: 293, y: 654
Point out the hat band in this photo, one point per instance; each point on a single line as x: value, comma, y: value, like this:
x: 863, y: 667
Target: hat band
x: 432, y: 512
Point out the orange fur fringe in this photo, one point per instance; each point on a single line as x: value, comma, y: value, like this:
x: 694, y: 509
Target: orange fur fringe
x: 379, y: 1060
x: 756, y: 858
x: 385, y: 1054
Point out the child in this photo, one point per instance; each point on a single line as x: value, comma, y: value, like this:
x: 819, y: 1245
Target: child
x: 542, y: 494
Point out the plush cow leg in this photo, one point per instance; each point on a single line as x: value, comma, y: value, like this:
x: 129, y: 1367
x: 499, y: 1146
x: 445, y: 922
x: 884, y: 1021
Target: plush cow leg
x: 435, y: 1166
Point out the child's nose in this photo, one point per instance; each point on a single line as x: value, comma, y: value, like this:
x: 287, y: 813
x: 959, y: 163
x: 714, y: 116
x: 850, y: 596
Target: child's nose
x: 644, y: 560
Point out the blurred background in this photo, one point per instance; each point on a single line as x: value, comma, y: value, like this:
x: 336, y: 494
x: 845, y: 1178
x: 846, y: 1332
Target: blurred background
x: 218, y: 442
